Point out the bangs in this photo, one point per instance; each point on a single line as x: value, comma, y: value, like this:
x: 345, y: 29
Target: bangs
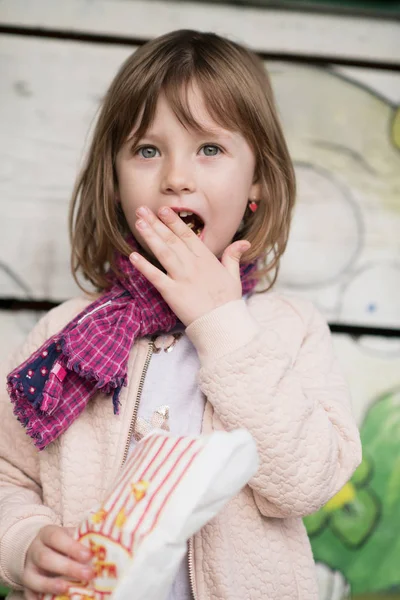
x: 220, y: 101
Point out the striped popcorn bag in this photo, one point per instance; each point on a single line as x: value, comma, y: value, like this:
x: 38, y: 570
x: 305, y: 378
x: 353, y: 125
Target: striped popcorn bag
x: 169, y: 488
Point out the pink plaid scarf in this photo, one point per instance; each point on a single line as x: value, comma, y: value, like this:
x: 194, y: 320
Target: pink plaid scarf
x: 52, y: 387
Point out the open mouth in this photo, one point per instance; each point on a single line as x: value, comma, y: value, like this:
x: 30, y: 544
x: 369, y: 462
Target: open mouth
x: 192, y: 220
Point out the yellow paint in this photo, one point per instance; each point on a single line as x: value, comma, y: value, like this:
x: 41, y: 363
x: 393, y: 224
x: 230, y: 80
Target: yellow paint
x: 344, y: 496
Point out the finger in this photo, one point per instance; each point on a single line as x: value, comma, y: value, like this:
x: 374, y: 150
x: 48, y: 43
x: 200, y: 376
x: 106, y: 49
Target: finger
x: 57, y: 564
x: 60, y: 539
x: 40, y: 584
x: 181, y: 230
x: 159, y: 227
x: 163, y: 249
x: 232, y: 255
x: 156, y: 277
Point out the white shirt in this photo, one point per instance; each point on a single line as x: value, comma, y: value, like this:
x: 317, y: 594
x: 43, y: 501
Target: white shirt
x: 171, y: 381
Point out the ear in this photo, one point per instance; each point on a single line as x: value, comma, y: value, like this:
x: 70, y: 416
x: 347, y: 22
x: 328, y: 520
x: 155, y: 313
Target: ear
x: 255, y: 191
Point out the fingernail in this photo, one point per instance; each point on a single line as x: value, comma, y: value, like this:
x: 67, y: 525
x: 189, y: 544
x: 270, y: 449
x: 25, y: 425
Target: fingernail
x: 164, y: 211
x: 61, y: 586
x: 143, y: 211
x: 85, y: 554
x: 141, y: 224
x: 134, y: 257
x: 87, y: 574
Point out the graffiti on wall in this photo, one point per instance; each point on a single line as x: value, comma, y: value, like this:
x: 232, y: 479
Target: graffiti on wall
x: 344, y: 254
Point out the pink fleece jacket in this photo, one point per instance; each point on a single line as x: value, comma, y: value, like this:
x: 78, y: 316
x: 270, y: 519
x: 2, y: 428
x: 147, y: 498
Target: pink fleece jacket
x: 266, y: 365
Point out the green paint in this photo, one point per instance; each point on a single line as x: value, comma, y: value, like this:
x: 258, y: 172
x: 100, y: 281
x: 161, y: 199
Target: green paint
x: 3, y: 591
x: 360, y: 538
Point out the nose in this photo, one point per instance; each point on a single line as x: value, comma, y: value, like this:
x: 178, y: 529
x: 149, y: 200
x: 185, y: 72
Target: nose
x: 178, y: 176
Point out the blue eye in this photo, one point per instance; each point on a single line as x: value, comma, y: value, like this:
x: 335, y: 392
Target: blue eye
x: 147, y: 152
x: 211, y: 150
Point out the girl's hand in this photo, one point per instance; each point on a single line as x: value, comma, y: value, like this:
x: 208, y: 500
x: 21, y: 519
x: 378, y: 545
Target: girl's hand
x: 53, y: 553
x: 195, y: 281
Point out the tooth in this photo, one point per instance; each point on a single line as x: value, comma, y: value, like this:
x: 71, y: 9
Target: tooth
x: 190, y: 225
x: 184, y: 213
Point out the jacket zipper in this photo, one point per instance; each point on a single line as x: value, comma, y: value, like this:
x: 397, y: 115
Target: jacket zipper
x: 150, y: 351
x: 191, y: 568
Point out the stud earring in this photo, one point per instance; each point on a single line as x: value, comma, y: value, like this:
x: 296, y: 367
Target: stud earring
x: 253, y: 205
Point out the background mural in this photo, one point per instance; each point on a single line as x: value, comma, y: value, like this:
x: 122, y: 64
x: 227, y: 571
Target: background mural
x: 337, y: 84
x: 345, y: 246
x: 345, y: 254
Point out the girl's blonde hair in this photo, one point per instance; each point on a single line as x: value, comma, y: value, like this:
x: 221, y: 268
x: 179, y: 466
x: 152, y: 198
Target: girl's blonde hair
x: 238, y: 94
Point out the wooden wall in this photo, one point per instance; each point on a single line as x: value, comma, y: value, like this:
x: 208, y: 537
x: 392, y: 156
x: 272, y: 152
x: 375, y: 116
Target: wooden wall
x: 337, y: 83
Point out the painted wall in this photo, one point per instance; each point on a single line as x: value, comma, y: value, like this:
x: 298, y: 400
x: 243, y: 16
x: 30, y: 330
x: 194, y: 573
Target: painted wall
x: 337, y: 83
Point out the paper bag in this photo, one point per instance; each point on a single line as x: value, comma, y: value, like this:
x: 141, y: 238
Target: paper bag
x: 169, y: 488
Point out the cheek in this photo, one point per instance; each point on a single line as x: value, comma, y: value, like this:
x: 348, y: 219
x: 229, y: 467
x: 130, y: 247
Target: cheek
x: 127, y: 182
x: 230, y: 195
x: 135, y: 189
x: 234, y: 179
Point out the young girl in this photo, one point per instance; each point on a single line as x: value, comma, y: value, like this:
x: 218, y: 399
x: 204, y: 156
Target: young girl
x: 189, y: 176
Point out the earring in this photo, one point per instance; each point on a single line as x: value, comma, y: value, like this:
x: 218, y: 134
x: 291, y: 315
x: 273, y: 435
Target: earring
x: 253, y: 205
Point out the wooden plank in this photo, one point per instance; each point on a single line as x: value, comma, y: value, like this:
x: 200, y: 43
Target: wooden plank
x: 382, y: 83
x: 371, y: 366
x: 266, y: 30
x: 345, y: 239
x: 344, y: 248
x: 50, y: 93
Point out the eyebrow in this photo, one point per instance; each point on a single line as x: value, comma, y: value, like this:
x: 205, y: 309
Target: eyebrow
x: 221, y: 133
x: 215, y: 133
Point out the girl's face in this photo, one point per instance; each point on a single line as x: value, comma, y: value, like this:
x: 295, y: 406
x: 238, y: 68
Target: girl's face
x: 210, y: 175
